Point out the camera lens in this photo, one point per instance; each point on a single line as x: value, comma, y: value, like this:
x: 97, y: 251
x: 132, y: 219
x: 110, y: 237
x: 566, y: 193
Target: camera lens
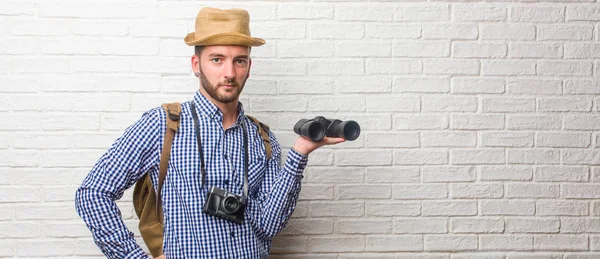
x: 350, y: 129
x: 230, y: 205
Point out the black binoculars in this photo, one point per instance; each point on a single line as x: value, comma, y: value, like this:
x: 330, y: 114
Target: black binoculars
x: 319, y: 127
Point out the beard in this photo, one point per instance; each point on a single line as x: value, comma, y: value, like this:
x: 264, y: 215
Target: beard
x: 213, y: 91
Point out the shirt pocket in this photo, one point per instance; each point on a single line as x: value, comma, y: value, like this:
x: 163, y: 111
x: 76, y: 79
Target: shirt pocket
x: 256, y: 173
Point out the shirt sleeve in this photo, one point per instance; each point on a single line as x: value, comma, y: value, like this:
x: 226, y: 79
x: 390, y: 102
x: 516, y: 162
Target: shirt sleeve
x: 279, y: 191
x: 129, y: 158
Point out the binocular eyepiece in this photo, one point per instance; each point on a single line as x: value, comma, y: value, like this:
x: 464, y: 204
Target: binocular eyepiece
x: 319, y: 127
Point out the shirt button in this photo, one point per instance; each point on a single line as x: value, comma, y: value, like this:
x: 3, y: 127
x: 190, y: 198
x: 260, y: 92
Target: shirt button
x: 232, y: 234
x: 226, y: 182
x: 225, y: 156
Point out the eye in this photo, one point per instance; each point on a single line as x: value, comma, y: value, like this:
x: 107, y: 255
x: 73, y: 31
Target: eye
x: 216, y: 60
x: 241, y: 62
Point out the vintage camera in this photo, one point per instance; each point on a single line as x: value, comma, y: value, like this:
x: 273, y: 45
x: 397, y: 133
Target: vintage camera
x: 319, y: 127
x: 225, y: 205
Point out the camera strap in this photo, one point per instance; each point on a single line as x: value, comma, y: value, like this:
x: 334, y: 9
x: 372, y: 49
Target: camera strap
x: 202, y: 167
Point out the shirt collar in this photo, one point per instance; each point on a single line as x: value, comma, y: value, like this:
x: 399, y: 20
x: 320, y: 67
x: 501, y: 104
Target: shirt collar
x: 209, y: 109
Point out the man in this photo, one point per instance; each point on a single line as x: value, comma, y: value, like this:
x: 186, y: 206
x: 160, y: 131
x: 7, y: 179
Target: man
x: 222, y: 63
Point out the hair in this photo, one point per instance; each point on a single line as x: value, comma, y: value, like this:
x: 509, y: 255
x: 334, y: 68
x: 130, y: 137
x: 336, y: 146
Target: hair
x: 198, y: 50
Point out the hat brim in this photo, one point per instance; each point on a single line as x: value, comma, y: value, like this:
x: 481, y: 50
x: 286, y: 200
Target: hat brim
x: 223, y: 39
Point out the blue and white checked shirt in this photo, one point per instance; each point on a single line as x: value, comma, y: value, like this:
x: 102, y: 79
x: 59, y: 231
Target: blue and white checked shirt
x: 189, y: 233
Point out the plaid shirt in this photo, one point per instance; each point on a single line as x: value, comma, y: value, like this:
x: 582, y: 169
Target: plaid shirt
x: 189, y: 233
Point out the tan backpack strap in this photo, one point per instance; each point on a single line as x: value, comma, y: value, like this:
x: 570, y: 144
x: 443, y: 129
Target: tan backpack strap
x: 173, y: 110
x: 263, y: 131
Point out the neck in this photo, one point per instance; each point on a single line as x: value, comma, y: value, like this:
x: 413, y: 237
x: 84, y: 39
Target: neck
x: 229, y: 110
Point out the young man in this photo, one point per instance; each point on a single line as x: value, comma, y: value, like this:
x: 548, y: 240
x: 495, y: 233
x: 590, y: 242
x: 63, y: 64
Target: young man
x: 229, y: 144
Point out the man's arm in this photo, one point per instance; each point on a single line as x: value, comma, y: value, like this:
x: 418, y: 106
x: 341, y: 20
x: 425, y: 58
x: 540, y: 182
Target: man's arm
x: 280, y: 188
x: 129, y: 158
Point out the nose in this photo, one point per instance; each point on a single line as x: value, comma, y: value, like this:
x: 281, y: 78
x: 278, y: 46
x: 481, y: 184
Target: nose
x: 228, y: 72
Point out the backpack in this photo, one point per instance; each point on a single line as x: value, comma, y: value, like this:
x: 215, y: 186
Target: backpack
x: 147, y: 202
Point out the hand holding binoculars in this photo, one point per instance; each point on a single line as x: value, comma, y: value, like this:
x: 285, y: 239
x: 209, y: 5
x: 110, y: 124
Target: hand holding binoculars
x: 319, y: 127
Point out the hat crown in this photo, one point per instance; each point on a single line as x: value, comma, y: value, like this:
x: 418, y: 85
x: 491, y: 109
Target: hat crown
x: 214, y: 21
x: 222, y: 27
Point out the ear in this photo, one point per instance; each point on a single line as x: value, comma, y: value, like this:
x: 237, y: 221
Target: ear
x: 195, y: 64
x: 249, y: 66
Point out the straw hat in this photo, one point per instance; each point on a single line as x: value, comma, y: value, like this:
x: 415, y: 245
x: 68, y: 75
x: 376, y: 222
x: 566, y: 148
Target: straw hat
x: 222, y: 27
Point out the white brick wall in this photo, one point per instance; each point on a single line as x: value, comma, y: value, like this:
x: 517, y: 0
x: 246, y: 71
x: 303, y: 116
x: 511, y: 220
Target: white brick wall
x: 480, y: 119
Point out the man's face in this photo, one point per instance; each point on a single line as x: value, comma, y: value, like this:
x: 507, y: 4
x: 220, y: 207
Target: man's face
x: 223, y: 71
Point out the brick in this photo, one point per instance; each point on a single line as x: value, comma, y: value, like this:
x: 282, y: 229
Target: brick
x: 281, y: 30
x: 165, y: 65
x: 424, y: 191
x: 507, y: 242
x: 508, y: 105
x: 362, y: 49
x: 506, y: 31
x: 450, y: 243
x: 421, y: 49
x: 392, y: 31
x: 390, y: 209
x: 100, y: 65
x: 19, y: 84
x: 420, y: 226
x: 264, y: 104
x: 449, y: 104
x: 373, y: 157
x: 510, y: 207
x: 479, y: 255
x: 477, y: 156
x: 420, y: 157
x: 567, y: 32
x: 579, y: 225
x: 478, y: 50
x: 453, y: 31
x: 43, y: 65
x: 451, y: 66
x: 40, y: 27
x: 65, y: 230
x: 394, y: 243
x: 535, y: 50
x: 507, y: 67
x: 585, y: 255
x: 540, y: 14
x: 580, y: 191
x: 562, y: 208
x: 391, y: 103
x: 45, y: 248
x: 420, y: 121
x: 33, y: 176
x: 535, y: 255
x: 19, y: 158
x: 304, y: 11
x: 308, y: 226
x: 11, y: 229
x: 505, y: 173
x: 364, y: 192
x: 70, y: 122
x: 305, y: 49
x: 535, y: 87
x: 18, y: 46
x: 479, y: 121
x: 393, y: 66
x: 465, y: 85
x: 316, y: 192
x: 69, y: 158
x: 421, y: 85
x: 334, y: 175
x: 449, y: 208
x: 583, y: 13
x: 561, y: 243
x: 564, y: 68
x: 476, y: 225
x: 581, y: 157
x: 581, y: 122
x: 533, y: 156
x: 287, y: 244
x: 562, y: 140
x: 479, y: 12
x: 74, y: 9
x: 564, y: 104
x: 582, y: 86
x: 364, y: 12
x: 336, y: 67
x: 527, y: 225
x: 69, y: 83
x: 392, y: 140
x: 449, y: 174
x: 146, y: 83
x: 332, y: 209
x: 346, y: 103
x: 533, y: 122
x: 507, y: 139
x: 448, y: 139
x: 336, y: 244
x: 392, y: 175
x: 370, y: 226
x: 330, y: 31
x: 422, y: 13
x: 101, y: 28
x: 527, y: 190
x: 470, y: 190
